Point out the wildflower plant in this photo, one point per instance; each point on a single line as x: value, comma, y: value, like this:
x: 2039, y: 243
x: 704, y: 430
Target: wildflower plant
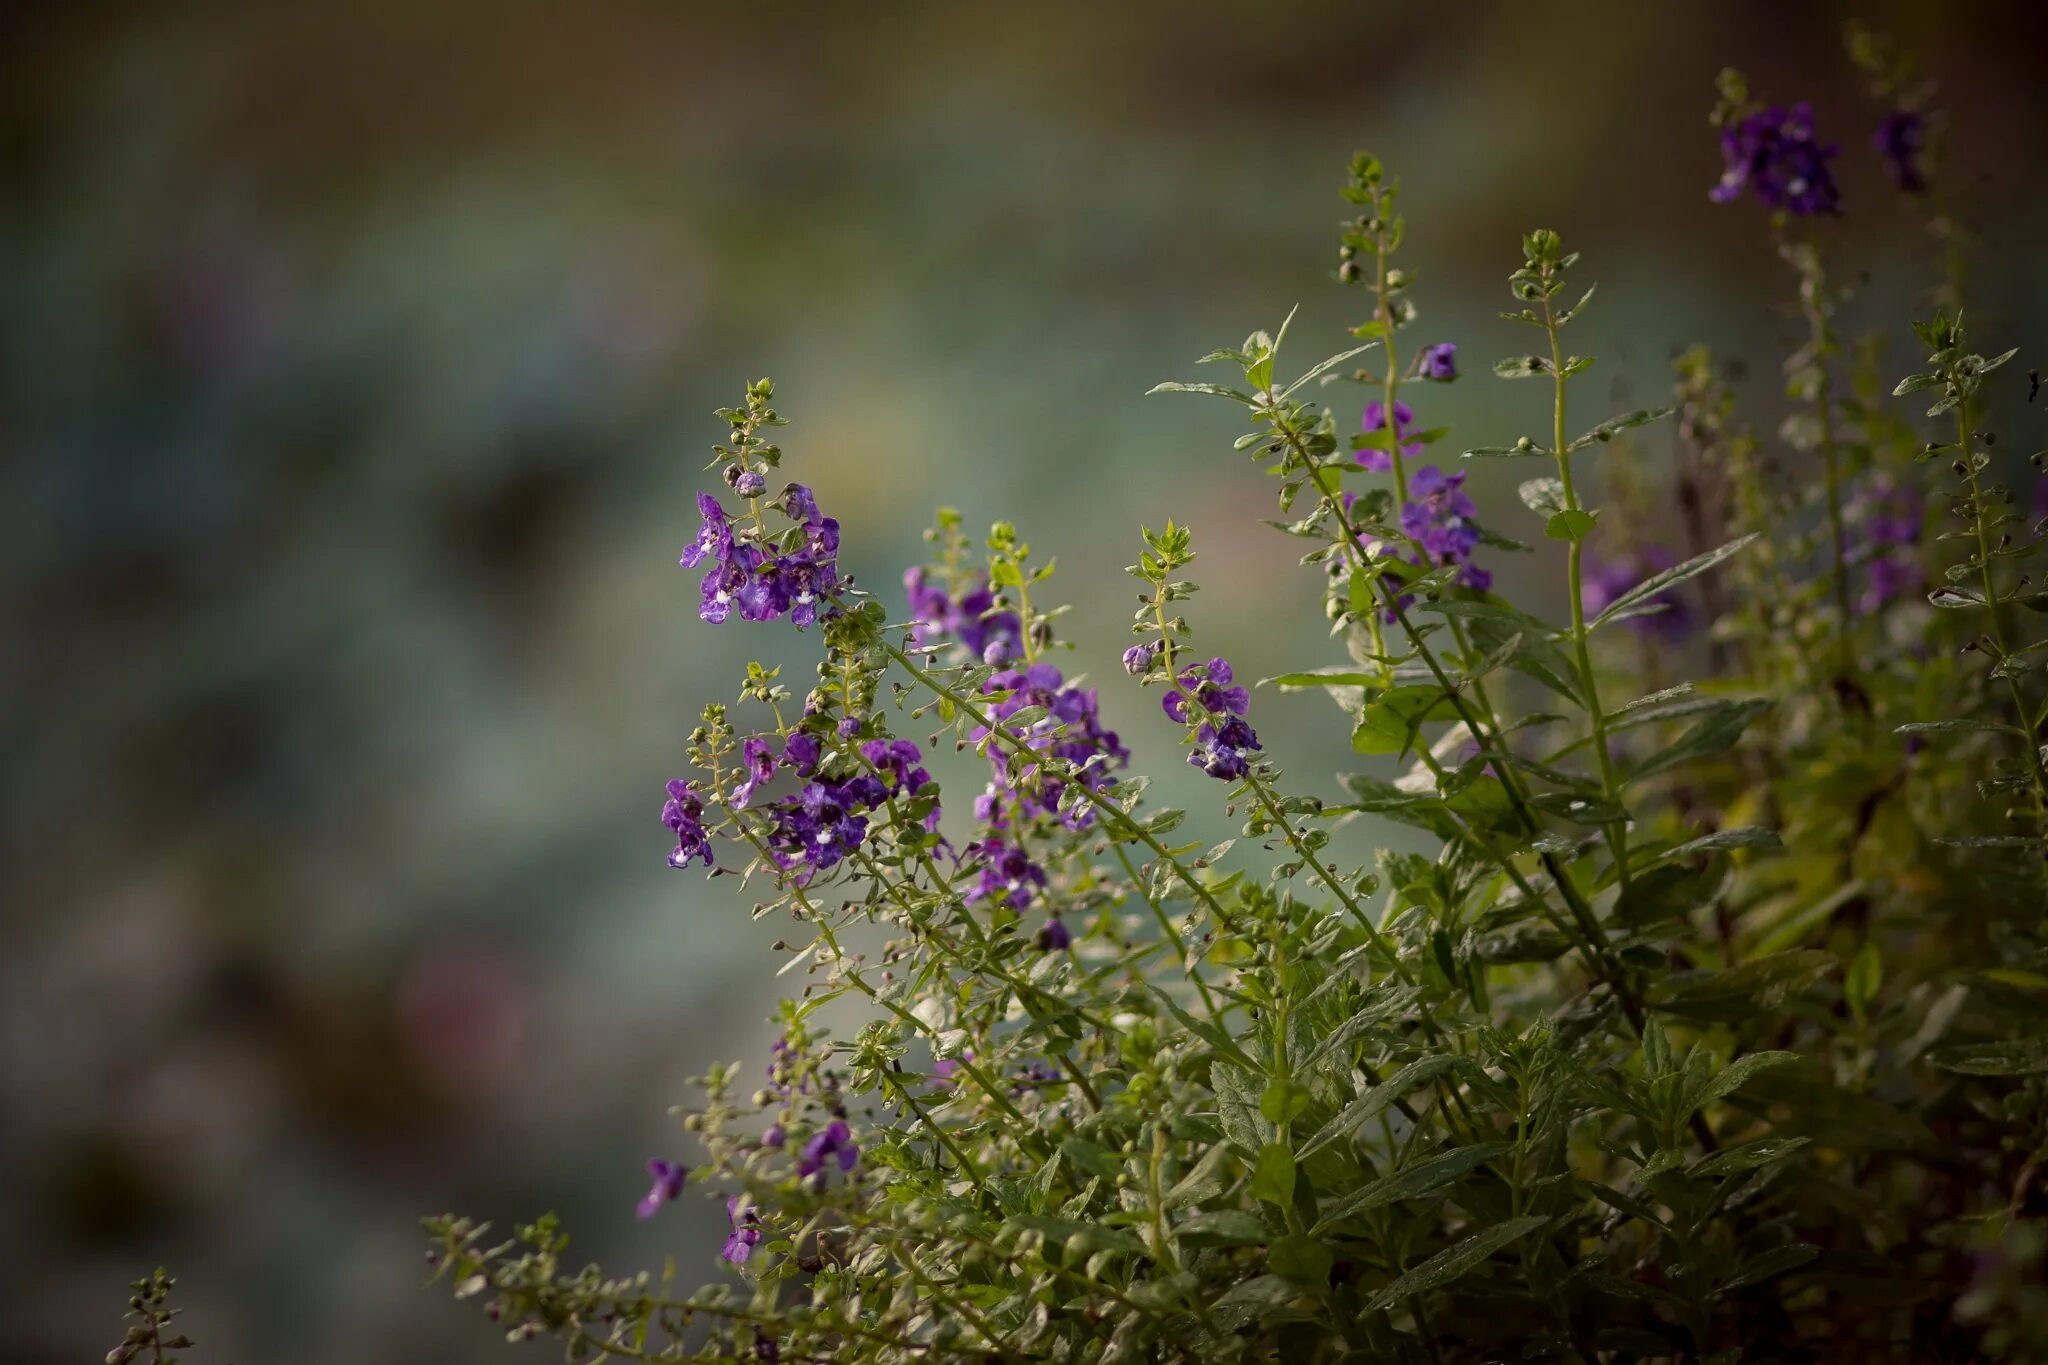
x: 1709, y: 1027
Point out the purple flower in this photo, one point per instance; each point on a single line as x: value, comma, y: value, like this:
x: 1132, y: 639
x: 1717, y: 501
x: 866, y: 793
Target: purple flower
x: 1900, y: 139
x: 1375, y: 419
x: 1138, y: 658
x: 1071, y: 730
x: 800, y: 753
x: 1222, y: 751
x: 1008, y: 876
x: 684, y: 815
x: 766, y: 1348
x: 1054, y: 936
x: 1607, y: 580
x: 1773, y: 152
x: 1438, y: 362
x: 775, y: 1136
x: 945, y: 1068
x: 834, y: 1140
x: 1439, y: 519
x: 759, y: 761
x: 991, y: 634
x: 1224, y: 739
x: 749, y: 483
x: 745, y: 1221
x: 668, y: 1186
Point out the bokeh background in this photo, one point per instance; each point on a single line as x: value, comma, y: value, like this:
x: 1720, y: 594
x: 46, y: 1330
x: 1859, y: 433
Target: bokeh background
x: 358, y: 363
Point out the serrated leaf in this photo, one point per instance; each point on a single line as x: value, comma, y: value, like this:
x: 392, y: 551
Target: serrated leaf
x: 1368, y: 1106
x: 1223, y: 1228
x: 1214, y: 390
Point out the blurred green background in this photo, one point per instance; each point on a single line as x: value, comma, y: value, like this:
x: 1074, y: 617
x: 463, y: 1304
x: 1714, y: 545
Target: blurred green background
x: 358, y: 369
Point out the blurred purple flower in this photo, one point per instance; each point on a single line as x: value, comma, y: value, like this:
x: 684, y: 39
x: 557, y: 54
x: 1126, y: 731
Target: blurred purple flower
x: 1900, y: 139
x: 668, y: 1186
x: 745, y: 1221
x: 683, y: 813
x: 1439, y: 362
x: 1773, y: 153
x: 1375, y: 419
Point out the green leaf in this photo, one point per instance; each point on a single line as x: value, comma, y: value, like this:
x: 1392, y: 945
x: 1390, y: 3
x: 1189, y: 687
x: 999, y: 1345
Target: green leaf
x: 1325, y: 366
x: 1413, y: 1182
x: 1336, y: 677
x: 1544, y: 497
x: 1956, y: 599
x: 1388, y: 724
x: 1301, y: 1259
x: 2016, y: 1057
x: 1214, y: 390
x: 1521, y: 367
x: 1959, y: 725
x: 1368, y: 1106
x: 1224, y: 1228
x: 1656, y: 583
x: 1731, y: 1079
x: 1607, y: 430
x: 1770, y: 1265
x: 1284, y: 1100
x: 1749, y: 1156
x: 1569, y: 525
x: 1449, y: 1265
x: 1722, y: 726
x: 1273, y: 1176
x: 1763, y: 984
x: 1742, y: 836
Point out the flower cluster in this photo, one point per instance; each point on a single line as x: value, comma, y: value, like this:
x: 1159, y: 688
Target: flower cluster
x: 975, y: 620
x: 683, y: 813
x: 750, y: 572
x: 1070, y: 729
x: 1774, y: 153
x: 826, y: 820
x: 1205, y: 698
x: 1439, y: 518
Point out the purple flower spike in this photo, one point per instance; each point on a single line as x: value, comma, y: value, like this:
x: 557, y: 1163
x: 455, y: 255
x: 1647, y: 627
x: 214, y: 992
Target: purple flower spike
x: 1439, y: 362
x: 668, y: 1186
x: 745, y: 1220
x: 684, y: 815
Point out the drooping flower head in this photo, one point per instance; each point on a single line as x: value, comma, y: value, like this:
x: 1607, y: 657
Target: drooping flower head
x: 683, y: 813
x: 1375, y: 420
x: 668, y: 1186
x: 1773, y: 153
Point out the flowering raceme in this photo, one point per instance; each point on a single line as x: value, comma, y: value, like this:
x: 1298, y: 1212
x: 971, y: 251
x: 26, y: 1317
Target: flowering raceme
x: 1440, y: 519
x: 750, y: 573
